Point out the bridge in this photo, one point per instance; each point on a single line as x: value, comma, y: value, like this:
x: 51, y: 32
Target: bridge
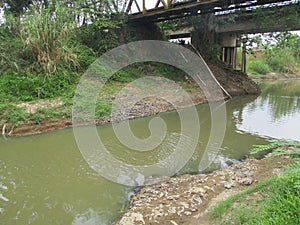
x: 245, y: 22
x: 171, y: 9
x: 218, y: 22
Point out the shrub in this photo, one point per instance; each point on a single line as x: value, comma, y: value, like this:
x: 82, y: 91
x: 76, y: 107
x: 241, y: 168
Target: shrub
x: 281, y: 60
x: 27, y: 87
x: 259, y: 67
x: 10, y: 113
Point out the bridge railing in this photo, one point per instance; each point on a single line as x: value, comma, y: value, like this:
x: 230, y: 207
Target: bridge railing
x: 142, y: 7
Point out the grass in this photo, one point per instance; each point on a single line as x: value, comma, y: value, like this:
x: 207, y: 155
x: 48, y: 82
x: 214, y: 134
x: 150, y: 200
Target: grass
x: 274, y: 201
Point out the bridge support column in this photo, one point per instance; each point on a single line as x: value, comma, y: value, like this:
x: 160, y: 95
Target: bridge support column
x: 229, y: 44
x: 244, y: 58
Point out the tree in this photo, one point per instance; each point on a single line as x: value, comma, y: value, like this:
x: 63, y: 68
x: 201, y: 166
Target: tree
x: 17, y: 7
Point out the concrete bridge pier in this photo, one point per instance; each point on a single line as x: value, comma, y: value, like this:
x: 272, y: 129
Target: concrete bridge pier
x: 208, y: 42
x: 229, y: 44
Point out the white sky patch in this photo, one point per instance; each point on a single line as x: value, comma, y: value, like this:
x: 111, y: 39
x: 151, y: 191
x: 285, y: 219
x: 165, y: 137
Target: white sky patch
x: 1, y: 16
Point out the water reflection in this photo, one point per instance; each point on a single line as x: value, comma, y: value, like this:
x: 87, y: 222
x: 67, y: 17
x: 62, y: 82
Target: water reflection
x: 275, y: 113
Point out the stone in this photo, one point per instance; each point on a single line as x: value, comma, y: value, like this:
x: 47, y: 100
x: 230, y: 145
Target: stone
x: 173, y: 222
x: 229, y: 185
x: 246, y: 181
x: 184, y: 204
x: 132, y: 218
x: 187, y: 213
x: 197, y: 199
x: 172, y: 210
x: 197, y: 190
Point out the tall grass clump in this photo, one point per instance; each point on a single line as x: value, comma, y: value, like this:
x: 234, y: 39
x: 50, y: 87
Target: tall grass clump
x: 46, y: 34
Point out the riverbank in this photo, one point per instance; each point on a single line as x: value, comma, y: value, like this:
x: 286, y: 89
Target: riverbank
x: 56, y: 113
x: 189, y: 199
x: 275, y: 76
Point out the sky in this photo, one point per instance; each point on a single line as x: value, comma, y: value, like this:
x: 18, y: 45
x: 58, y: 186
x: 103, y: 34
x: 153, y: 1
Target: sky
x: 1, y: 15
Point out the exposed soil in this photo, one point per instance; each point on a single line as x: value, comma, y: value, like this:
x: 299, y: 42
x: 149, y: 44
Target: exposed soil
x: 188, y: 199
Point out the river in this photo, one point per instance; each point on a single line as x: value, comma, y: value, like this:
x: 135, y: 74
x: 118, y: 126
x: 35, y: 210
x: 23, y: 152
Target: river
x: 45, y: 180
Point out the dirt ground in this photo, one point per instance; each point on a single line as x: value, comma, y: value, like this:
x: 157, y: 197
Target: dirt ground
x: 188, y: 199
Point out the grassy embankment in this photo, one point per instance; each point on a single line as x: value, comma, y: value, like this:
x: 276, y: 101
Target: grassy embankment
x: 273, y: 201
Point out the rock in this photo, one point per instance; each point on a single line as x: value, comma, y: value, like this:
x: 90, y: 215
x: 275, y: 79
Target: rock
x: 184, y: 204
x: 197, y: 190
x: 173, y: 197
x: 172, y: 210
x: 197, y: 199
x: 173, y: 222
x: 229, y: 185
x: 246, y: 181
x: 187, y: 213
x: 132, y: 218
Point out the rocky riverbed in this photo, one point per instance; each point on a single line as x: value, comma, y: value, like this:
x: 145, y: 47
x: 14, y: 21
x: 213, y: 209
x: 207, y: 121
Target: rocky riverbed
x: 188, y: 199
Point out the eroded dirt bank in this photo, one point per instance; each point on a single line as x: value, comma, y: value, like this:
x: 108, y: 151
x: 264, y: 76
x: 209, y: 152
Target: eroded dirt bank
x: 234, y: 82
x: 188, y: 199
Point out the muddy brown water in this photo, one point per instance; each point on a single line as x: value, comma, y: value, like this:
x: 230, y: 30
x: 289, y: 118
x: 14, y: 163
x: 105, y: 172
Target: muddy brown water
x: 45, y: 180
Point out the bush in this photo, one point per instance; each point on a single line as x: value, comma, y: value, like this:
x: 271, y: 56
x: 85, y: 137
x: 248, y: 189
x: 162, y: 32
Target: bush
x: 27, y: 87
x: 259, y: 67
x: 12, y: 53
x: 281, y: 60
x: 10, y: 113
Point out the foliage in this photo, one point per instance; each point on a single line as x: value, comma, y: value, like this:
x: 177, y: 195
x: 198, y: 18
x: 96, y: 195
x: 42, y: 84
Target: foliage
x: 276, y: 52
x: 27, y: 87
x: 283, y: 55
x: 44, y: 114
x: 46, y: 33
x: 46, y: 45
x: 277, y: 200
x: 46, y: 38
x: 278, y: 203
x: 13, y: 56
x: 16, y: 7
x: 95, y: 38
x: 259, y: 67
x: 103, y: 108
x: 279, y: 147
x: 10, y: 113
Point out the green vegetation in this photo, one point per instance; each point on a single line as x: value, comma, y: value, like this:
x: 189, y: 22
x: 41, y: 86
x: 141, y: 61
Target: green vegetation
x: 275, y: 52
x: 258, y: 67
x: 274, y: 201
x: 45, y: 47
